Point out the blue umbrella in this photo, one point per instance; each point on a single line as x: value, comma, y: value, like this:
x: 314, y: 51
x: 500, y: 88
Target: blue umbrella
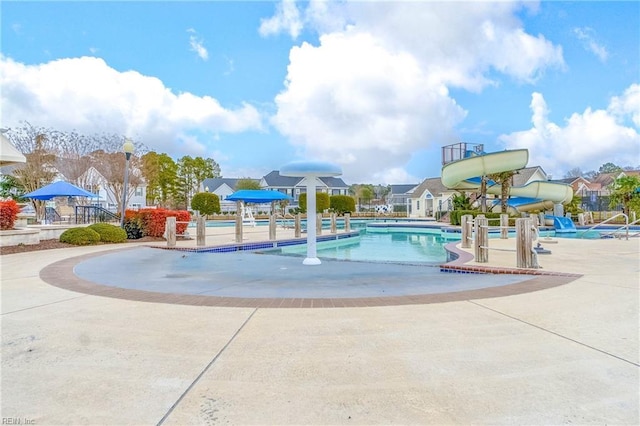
x: 258, y: 196
x: 58, y: 189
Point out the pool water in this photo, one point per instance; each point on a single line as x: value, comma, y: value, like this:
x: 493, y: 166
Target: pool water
x: 394, y: 247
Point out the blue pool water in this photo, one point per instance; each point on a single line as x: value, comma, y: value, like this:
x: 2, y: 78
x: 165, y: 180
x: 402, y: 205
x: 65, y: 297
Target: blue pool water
x: 394, y: 247
x: 418, y: 242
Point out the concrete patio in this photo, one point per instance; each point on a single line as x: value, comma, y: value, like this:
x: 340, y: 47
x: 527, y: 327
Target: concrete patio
x: 567, y: 354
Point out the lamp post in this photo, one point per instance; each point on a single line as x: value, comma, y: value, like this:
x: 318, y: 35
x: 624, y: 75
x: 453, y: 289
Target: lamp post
x: 128, y: 150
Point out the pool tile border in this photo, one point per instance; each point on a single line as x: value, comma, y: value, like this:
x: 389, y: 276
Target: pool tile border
x: 61, y: 274
x: 259, y: 245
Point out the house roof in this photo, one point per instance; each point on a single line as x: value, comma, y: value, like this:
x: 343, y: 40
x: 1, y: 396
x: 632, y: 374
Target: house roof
x: 523, y: 176
x: 274, y: 179
x: 334, y: 182
x: 568, y: 180
x: 605, y: 179
x: 402, y: 188
x: 215, y: 183
x: 433, y: 185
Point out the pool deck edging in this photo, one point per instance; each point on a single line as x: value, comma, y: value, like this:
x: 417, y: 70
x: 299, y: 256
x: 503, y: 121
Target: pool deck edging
x: 459, y: 265
x: 61, y: 274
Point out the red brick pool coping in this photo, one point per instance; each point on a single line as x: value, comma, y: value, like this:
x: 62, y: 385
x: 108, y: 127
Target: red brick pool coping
x: 60, y: 274
x: 460, y: 265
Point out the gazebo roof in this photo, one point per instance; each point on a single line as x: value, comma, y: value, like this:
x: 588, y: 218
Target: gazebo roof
x: 258, y: 196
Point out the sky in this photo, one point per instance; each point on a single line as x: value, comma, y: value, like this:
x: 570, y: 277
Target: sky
x: 376, y: 87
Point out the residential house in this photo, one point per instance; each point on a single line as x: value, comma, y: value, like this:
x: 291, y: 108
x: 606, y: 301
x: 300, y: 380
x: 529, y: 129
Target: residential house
x: 581, y: 186
x: 606, y: 179
x: 96, y: 182
x: 429, y: 197
x: 223, y: 187
x: 400, y: 195
x: 294, y: 186
x: 273, y: 181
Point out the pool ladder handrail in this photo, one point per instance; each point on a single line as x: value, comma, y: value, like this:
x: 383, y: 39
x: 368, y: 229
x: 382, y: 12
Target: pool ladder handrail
x: 615, y: 232
x: 284, y: 220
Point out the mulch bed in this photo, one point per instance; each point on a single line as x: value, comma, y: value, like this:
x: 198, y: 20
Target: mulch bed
x: 55, y: 244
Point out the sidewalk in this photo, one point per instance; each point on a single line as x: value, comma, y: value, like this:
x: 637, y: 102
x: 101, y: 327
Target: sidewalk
x: 569, y: 354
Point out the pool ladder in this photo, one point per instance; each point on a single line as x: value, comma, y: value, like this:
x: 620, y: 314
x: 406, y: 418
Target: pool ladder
x: 621, y: 232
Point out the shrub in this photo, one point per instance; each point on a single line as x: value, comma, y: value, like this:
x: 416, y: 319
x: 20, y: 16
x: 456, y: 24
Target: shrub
x: 132, y: 225
x: 206, y: 203
x: 80, y: 236
x: 109, y: 233
x: 322, y: 202
x: 152, y: 221
x: 455, y: 216
x: 342, y: 204
x: 8, y: 213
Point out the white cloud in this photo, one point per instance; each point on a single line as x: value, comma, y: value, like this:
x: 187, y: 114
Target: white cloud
x: 197, y: 45
x: 586, y: 35
x: 627, y: 105
x: 585, y: 140
x: 352, y: 101
x: 287, y: 19
x: 87, y: 95
x: 376, y: 88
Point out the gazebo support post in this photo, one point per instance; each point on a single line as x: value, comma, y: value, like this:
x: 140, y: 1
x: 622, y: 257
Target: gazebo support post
x: 272, y: 221
x: 238, y: 221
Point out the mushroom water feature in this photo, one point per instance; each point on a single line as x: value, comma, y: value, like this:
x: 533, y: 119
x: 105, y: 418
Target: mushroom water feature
x: 311, y: 170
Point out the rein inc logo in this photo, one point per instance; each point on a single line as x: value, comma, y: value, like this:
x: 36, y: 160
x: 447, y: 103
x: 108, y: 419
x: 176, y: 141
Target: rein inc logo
x: 17, y: 421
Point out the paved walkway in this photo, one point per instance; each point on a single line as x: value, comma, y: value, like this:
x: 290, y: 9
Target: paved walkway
x: 567, y: 354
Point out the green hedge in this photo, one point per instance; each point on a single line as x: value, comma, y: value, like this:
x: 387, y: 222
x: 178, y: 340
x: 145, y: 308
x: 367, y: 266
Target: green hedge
x: 322, y: 202
x: 342, y: 204
x: 109, y: 233
x: 206, y: 203
x: 455, y: 216
x: 80, y: 236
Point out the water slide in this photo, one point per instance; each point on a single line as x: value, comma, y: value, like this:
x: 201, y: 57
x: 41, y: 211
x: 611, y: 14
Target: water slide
x: 464, y: 175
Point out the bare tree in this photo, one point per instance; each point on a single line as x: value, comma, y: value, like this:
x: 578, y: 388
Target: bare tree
x: 574, y: 173
x: 74, y: 160
x: 111, y: 165
x: 37, y: 146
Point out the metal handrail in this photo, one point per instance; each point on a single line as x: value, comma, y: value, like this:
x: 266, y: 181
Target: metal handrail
x: 615, y: 232
x: 626, y: 225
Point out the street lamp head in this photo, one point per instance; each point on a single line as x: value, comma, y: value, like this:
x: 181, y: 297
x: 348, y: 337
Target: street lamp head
x: 128, y: 147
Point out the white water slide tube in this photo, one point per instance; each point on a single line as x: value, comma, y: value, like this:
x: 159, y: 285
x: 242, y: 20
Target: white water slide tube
x: 457, y: 175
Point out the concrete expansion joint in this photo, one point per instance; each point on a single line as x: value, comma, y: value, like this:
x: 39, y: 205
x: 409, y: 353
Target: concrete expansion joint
x: 206, y: 368
x: 554, y: 333
x: 44, y: 304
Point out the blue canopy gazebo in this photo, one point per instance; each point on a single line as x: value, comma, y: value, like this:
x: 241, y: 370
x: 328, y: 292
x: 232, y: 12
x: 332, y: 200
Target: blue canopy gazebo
x: 257, y: 196
x: 58, y: 189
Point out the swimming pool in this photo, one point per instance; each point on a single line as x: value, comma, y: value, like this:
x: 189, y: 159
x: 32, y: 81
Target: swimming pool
x: 392, y: 247
x: 408, y: 243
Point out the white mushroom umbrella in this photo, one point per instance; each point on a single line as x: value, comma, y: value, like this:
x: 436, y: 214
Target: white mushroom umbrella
x: 311, y: 170
x: 9, y: 154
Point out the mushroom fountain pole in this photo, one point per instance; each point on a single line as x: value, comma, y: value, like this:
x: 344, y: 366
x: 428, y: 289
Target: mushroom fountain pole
x: 311, y: 170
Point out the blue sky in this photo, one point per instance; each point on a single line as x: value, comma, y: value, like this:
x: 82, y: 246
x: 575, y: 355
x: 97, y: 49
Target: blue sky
x: 377, y: 87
